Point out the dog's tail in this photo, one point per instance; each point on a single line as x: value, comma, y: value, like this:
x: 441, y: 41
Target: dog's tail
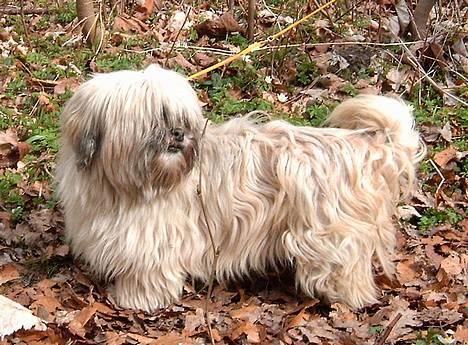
x: 390, y: 122
x: 378, y: 113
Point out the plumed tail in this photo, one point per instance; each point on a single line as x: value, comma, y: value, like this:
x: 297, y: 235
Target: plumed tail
x: 378, y: 113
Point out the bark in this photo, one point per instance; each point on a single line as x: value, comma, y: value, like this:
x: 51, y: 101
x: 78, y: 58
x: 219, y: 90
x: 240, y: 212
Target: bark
x: 86, y: 15
x: 251, y: 20
x: 418, y: 26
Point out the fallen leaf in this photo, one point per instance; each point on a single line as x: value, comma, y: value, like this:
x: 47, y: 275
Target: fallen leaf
x: 219, y: 27
x: 15, y: 317
x: 125, y: 23
x: 145, y: 7
x: 66, y: 84
x: 318, y: 329
x: 193, y: 322
x: 50, y: 303
x: 250, y: 313
x: 81, y: 319
x: 461, y: 334
x: 452, y: 265
x: 204, y: 60
x: 446, y: 132
x: 11, y: 150
x: 444, y: 157
x: 250, y: 330
x: 180, y: 61
x: 406, y: 272
x: 299, y: 320
x: 431, y: 254
x: 44, y: 101
x: 8, y: 272
x: 141, y: 339
x: 172, y: 339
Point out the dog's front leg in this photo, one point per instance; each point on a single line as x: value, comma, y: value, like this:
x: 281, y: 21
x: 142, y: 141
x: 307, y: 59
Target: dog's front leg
x: 149, y: 290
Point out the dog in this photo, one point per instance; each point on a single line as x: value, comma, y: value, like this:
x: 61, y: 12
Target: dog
x: 144, y: 185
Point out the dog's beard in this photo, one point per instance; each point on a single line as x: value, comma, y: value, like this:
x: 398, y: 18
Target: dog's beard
x: 172, y: 166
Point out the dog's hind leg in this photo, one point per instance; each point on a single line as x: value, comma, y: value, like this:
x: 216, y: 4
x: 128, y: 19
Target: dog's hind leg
x: 333, y: 268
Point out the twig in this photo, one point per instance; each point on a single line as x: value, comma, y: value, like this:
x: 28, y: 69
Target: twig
x: 442, y: 177
x: 101, y: 24
x: 177, y: 36
x: 15, y: 11
x: 344, y: 43
x: 210, y: 235
x: 251, y: 20
x: 387, y: 331
x: 23, y: 21
x: 325, y: 13
x: 414, y: 61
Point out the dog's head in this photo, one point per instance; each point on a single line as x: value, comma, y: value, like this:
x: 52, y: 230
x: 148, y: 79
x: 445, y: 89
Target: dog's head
x: 137, y: 130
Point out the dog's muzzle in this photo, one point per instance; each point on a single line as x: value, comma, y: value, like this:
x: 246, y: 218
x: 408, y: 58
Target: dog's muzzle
x: 177, y: 140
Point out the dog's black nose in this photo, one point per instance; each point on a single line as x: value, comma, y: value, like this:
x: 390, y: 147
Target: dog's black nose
x: 178, y: 134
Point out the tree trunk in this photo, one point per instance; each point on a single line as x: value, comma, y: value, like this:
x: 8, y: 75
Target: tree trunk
x: 418, y: 26
x: 86, y: 15
x: 251, y: 20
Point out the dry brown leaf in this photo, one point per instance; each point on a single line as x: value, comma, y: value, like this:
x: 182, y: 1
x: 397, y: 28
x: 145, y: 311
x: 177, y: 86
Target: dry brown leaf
x: 180, y: 61
x: 432, y: 255
x: 66, y: 84
x: 145, y: 7
x: 250, y: 330
x: 141, y: 339
x: 299, y: 320
x: 452, y: 265
x: 406, y: 272
x: 44, y: 101
x: 50, y: 303
x: 113, y: 338
x: 444, y: 157
x: 8, y: 272
x: 172, y: 339
x: 125, y: 23
x: 81, y: 319
x: 193, y: 322
x: 11, y: 150
x: 343, y: 317
x: 318, y: 329
x: 250, y: 313
x: 204, y: 60
x: 219, y: 27
x: 461, y: 334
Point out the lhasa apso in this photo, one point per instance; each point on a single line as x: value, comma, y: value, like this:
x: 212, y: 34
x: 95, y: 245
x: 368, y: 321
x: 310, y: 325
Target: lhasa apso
x: 322, y: 199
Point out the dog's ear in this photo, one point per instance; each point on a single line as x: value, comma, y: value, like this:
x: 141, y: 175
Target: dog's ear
x: 88, y: 146
x: 87, y: 150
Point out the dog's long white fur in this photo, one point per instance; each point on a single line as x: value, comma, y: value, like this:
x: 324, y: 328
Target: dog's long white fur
x: 321, y: 199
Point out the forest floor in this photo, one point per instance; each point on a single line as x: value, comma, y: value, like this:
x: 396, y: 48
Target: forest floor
x: 339, y: 53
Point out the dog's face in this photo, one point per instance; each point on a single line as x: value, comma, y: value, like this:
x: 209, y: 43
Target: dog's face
x: 137, y: 130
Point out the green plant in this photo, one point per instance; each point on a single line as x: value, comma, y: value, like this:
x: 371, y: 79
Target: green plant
x: 350, y: 90
x: 433, y: 217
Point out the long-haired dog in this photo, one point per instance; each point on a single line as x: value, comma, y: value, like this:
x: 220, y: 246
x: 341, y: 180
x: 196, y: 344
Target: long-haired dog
x: 133, y: 151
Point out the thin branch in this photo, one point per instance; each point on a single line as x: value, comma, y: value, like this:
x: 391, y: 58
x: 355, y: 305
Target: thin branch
x: 177, y: 37
x: 251, y: 20
x: 210, y: 235
x: 442, y: 177
x: 23, y: 21
x: 387, y: 331
x: 415, y: 63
